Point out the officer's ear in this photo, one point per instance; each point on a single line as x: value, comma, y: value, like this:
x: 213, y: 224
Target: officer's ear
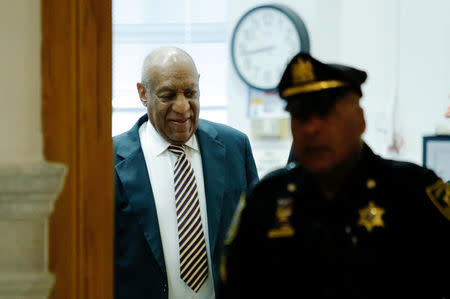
x: 363, y: 121
x: 361, y: 117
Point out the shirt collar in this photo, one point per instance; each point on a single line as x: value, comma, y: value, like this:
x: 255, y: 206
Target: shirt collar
x: 159, y: 144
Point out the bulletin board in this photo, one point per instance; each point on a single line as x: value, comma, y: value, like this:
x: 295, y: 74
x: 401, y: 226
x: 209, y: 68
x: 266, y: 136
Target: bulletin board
x: 270, y: 131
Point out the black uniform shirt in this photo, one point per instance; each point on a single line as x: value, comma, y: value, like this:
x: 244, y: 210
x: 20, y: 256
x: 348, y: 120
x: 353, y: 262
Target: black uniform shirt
x: 380, y: 237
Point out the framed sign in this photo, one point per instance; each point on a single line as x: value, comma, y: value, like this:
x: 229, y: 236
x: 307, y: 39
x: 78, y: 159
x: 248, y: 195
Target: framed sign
x: 436, y: 155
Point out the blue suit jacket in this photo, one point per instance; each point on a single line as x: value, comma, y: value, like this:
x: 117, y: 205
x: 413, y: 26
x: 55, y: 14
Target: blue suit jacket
x: 228, y: 170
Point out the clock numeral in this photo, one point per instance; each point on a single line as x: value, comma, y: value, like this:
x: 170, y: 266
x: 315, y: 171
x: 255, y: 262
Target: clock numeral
x: 267, y: 19
x: 290, y: 42
x: 255, y: 22
x: 242, y: 49
x: 247, y: 63
x: 267, y: 75
x: 279, y: 21
x: 280, y: 70
x: 256, y: 72
x: 249, y: 34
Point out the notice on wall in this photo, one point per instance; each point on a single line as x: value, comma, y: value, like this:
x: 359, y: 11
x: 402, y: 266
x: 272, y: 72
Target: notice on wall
x: 379, y: 132
x: 265, y: 104
x: 437, y: 157
x: 270, y: 154
x: 270, y: 132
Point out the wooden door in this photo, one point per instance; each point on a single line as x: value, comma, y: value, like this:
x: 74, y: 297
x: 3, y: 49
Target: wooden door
x: 76, y: 117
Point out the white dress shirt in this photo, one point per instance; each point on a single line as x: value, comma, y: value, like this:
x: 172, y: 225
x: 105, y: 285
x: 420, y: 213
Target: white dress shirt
x: 160, y: 165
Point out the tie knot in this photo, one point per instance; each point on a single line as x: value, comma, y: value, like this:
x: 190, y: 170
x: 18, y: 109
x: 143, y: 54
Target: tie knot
x: 177, y: 149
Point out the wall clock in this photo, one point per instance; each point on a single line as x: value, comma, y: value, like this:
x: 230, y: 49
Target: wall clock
x: 264, y: 41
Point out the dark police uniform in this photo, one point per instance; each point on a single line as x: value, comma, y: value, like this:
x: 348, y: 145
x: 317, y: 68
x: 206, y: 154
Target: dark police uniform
x: 385, y: 234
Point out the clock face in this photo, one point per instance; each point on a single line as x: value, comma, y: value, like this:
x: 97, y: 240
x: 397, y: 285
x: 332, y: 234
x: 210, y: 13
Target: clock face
x: 264, y: 42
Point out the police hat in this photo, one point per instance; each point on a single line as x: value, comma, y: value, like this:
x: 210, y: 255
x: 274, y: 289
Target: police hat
x: 305, y: 75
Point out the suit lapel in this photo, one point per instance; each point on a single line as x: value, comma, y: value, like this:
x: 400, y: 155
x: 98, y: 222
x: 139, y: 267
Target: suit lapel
x: 133, y: 175
x: 213, y: 162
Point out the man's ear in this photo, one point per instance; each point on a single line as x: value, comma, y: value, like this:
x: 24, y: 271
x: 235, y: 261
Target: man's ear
x: 142, y: 94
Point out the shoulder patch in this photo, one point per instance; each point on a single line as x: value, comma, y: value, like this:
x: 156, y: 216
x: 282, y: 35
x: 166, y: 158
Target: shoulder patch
x: 439, y: 193
x: 235, y: 221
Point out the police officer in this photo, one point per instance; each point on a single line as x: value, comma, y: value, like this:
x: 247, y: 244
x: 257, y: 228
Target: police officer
x: 343, y: 222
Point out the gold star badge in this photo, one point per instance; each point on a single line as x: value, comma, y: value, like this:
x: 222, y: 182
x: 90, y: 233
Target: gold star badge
x: 370, y: 216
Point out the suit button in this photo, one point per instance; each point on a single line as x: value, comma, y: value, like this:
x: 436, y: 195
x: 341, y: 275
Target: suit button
x: 164, y: 288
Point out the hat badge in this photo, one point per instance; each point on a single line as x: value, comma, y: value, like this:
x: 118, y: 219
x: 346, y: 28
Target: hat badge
x: 302, y: 71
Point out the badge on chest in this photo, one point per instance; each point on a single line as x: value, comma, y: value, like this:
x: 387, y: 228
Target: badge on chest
x: 282, y: 227
x: 371, y: 216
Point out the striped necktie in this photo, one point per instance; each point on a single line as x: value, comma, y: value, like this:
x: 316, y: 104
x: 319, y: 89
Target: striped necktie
x: 193, y: 258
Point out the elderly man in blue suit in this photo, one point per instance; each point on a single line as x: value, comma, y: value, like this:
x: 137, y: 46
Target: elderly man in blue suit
x: 178, y: 181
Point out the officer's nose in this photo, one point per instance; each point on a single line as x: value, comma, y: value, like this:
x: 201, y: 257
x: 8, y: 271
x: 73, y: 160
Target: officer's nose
x: 181, y: 104
x: 311, y: 125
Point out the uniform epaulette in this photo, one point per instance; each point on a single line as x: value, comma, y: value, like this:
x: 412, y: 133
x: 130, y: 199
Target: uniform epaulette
x: 235, y: 220
x: 231, y: 234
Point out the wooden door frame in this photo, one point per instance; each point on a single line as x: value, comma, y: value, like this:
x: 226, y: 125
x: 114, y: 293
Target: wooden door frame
x: 76, y: 123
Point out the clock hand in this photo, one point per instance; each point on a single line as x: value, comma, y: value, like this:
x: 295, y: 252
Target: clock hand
x: 263, y: 49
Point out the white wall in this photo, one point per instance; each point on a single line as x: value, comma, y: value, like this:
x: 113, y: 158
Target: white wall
x: 424, y: 81
x: 404, y: 45
x: 20, y: 83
